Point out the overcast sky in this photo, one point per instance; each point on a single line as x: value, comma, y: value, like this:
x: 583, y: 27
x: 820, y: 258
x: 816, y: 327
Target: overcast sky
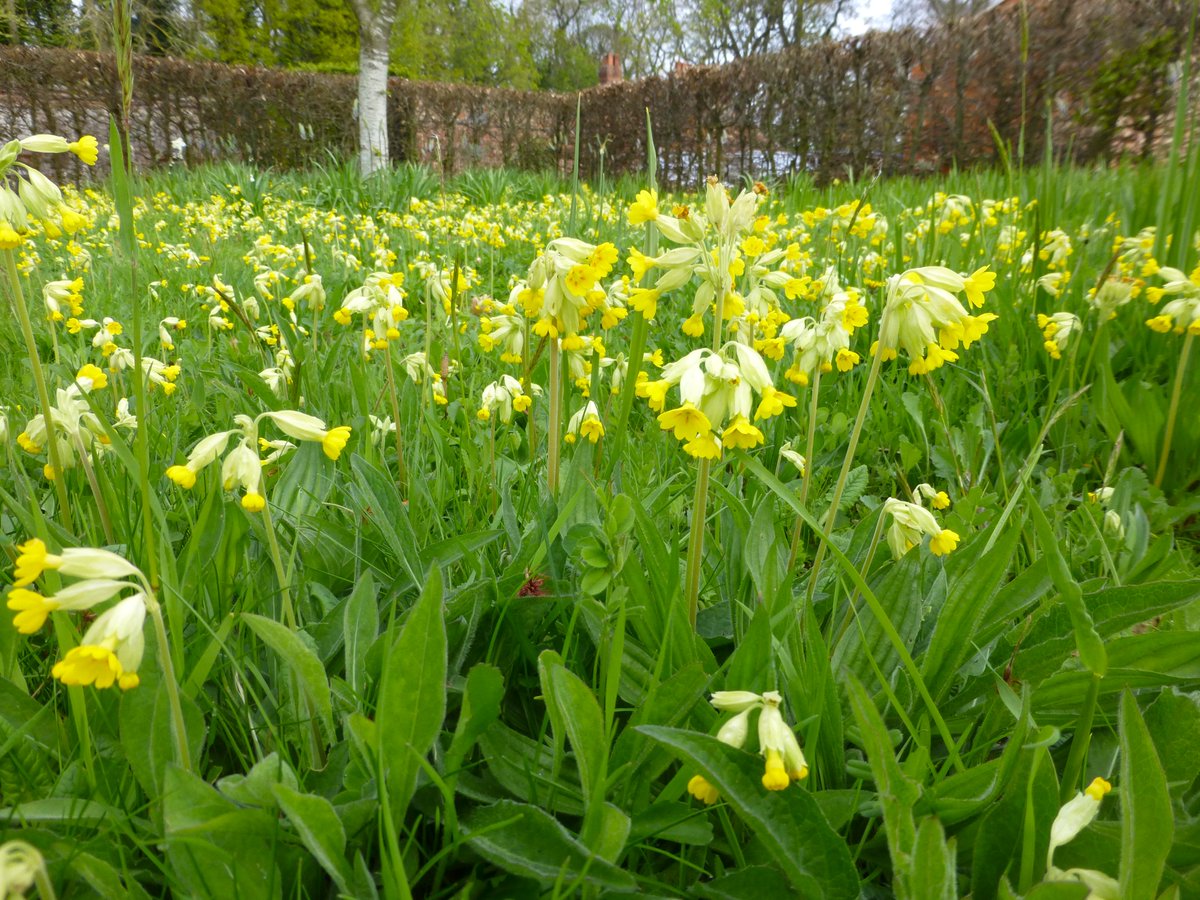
x: 870, y: 14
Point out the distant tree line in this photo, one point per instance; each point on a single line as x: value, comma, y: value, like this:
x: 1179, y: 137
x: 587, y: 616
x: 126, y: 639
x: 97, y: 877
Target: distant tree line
x: 546, y: 44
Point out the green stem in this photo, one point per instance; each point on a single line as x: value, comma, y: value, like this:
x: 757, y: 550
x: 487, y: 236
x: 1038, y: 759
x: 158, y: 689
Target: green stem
x: 695, y: 558
x: 855, y: 433
x: 401, y: 474
x: 178, y: 727
x: 39, y: 380
x: 637, y: 349
x: 285, y: 591
x: 1080, y: 741
x: 553, y: 426
x: 1173, y: 412
x: 810, y: 442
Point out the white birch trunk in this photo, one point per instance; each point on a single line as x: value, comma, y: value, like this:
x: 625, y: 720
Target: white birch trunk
x: 374, y: 51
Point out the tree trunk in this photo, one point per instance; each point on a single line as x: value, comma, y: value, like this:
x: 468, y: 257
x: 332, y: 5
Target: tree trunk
x: 374, y: 46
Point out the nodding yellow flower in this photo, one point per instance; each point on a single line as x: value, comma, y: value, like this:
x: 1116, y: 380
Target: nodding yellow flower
x: 522, y: 402
x: 111, y: 648
x: 644, y: 208
x: 580, y: 279
x: 1161, y: 324
x: 87, y: 148
x: 645, y: 301
x: 335, y: 441
x: 655, y: 392
x: 846, y: 359
x: 977, y: 284
x: 941, y: 500
x: 32, y: 561
x: 253, y: 502
x: 785, y: 760
x: 183, y: 476
x: 9, y: 239
x: 572, y: 342
x: 688, y: 423
x: 943, y: 542
x: 639, y: 263
x: 773, y: 403
x: 592, y: 429
x: 740, y: 434
x: 603, y: 258
x: 700, y: 788
x: 32, y: 608
x: 91, y: 378
x: 693, y: 326
x: 703, y: 446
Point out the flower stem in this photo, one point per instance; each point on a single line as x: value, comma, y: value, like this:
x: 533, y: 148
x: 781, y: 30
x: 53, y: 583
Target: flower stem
x: 695, y: 558
x: 1173, y: 412
x: 847, y: 462
x: 285, y: 592
x: 808, y: 466
x: 553, y: 426
x: 178, y: 727
x: 39, y: 380
x: 401, y: 474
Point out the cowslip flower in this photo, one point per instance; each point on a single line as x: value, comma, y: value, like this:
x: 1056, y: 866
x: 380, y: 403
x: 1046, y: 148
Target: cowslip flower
x: 924, y: 318
x: 33, y: 559
x: 910, y: 523
x: 784, y: 761
x: 111, y: 649
x: 938, y: 499
x: 1074, y: 816
x: 1057, y: 330
x: 585, y: 422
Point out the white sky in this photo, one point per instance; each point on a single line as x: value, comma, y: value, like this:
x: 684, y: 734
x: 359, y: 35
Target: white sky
x: 870, y: 14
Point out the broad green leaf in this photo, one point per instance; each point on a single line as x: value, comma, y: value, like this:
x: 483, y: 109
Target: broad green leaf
x: 412, y: 694
x: 360, y: 621
x: 1147, y: 819
x: 525, y: 768
x: 480, y: 708
x: 789, y: 823
x: 1173, y: 721
x: 897, y: 792
x: 304, y: 663
x: 380, y: 502
x: 256, y: 787
x: 955, y: 636
x: 576, y: 716
x: 526, y: 841
x: 933, y: 875
x: 1113, y: 609
x: 145, y: 723
x: 61, y: 811
x: 750, y: 883
x: 215, y: 848
x: 319, y: 828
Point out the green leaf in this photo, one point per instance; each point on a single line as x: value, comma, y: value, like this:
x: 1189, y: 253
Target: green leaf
x: 480, y: 708
x: 933, y: 874
x: 145, y: 725
x: 319, y: 828
x: 749, y: 883
x: 789, y: 823
x: 1174, y: 724
x: 412, y: 695
x: 214, y: 848
x: 576, y: 715
x: 897, y: 792
x: 381, y: 504
x: 972, y: 584
x: 303, y: 662
x: 1147, y: 820
x: 360, y: 621
x: 526, y: 841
